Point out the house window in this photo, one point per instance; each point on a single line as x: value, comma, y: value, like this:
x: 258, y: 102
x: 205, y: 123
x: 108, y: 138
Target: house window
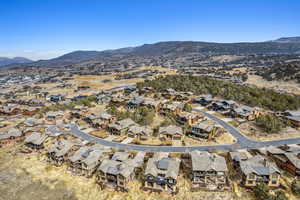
x: 274, y: 182
x: 251, y: 176
x: 274, y: 176
x: 250, y: 182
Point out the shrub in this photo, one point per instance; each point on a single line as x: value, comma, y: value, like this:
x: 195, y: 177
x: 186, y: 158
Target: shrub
x: 270, y: 123
x: 296, y: 187
x: 261, y: 192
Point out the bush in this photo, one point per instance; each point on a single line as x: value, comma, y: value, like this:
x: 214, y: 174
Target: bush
x: 280, y: 195
x: 296, y: 187
x: 187, y: 107
x: 261, y: 192
x: 270, y: 123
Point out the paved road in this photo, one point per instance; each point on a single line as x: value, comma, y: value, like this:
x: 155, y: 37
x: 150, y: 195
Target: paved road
x: 242, y: 142
x: 247, y: 143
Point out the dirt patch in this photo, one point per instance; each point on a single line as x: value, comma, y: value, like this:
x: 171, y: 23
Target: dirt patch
x: 254, y: 132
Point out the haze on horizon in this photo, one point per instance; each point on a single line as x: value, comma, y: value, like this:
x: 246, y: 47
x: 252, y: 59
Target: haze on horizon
x: 46, y: 29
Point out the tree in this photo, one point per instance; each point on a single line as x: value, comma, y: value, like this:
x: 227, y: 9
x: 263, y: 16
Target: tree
x: 269, y: 123
x: 296, y: 187
x: 187, y: 107
x: 261, y: 192
x: 112, y: 110
x: 280, y: 195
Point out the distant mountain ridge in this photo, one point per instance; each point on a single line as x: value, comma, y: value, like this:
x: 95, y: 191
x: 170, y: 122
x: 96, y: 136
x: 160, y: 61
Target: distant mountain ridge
x: 16, y: 60
x: 288, y: 39
x: 172, y: 49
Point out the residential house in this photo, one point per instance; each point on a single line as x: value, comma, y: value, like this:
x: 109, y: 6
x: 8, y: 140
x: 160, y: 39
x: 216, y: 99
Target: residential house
x: 171, y: 132
x: 30, y: 111
x: 161, y: 173
x: 186, y: 118
x: 118, y: 171
x: 223, y: 106
x: 75, y: 160
x: 59, y: 152
x: 146, y: 90
x: 35, y: 140
x: 52, y: 116
x: 129, y: 89
x: 118, y: 100
x: 92, y: 161
x: 203, y: 130
x: 203, y: 100
x: 235, y: 157
x: 173, y: 108
x: 105, y: 119
x: 56, y: 98
x: 287, y: 161
x: 140, y: 132
x: 103, y: 99
x: 11, y: 137
x: 10, y: 109
x: 293, y: 117
x: 209, y: 171
x: 120, y: 127
x: 245, y: 112
x: 257, y: 170
x: 135, y: 102
x: 169, y: 93
x: 32, y: 122
x: 181, y: 97
x: 151, y: 103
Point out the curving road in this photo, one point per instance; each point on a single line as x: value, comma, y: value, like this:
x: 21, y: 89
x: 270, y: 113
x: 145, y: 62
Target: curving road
x: 242, y: 142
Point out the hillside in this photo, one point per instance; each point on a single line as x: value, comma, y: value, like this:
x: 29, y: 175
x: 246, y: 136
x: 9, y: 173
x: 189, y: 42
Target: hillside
x: 288, y: 39
x: 16, y: 60
x: 173, y: 52
x: 285, y: 72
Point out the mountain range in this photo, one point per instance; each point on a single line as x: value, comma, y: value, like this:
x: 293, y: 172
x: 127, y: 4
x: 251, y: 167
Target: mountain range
x: 170, y: 49
x: 16, y: 60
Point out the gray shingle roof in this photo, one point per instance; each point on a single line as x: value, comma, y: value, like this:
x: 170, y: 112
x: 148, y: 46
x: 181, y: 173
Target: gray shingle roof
x: 32, y: 122
x: 36, y: 138
x: 203, y: 126
x: 11, y: 133
x: 121, y: 156
x: 80, y: 154
x: 239, y: 155
x: 125, y: 123
x: 116, y: 168
x: 293, y: 159
x: 144, y: 130
x: 162, y: 164
x: 258, y: 165
x: 61, y: 147
x: 171, y: 130
x: 205, y: 161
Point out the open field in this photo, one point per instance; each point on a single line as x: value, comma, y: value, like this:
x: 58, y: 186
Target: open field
x: 288, y: 86
x: 252, y: 131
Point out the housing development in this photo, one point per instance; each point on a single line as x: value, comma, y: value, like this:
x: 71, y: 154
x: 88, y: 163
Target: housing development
x: 117, y: 133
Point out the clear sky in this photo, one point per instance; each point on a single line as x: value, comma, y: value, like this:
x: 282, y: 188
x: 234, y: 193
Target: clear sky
x: 41, y: 29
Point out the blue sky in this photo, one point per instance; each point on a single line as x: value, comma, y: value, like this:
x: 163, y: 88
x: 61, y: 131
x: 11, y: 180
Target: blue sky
x: 41, y: 29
